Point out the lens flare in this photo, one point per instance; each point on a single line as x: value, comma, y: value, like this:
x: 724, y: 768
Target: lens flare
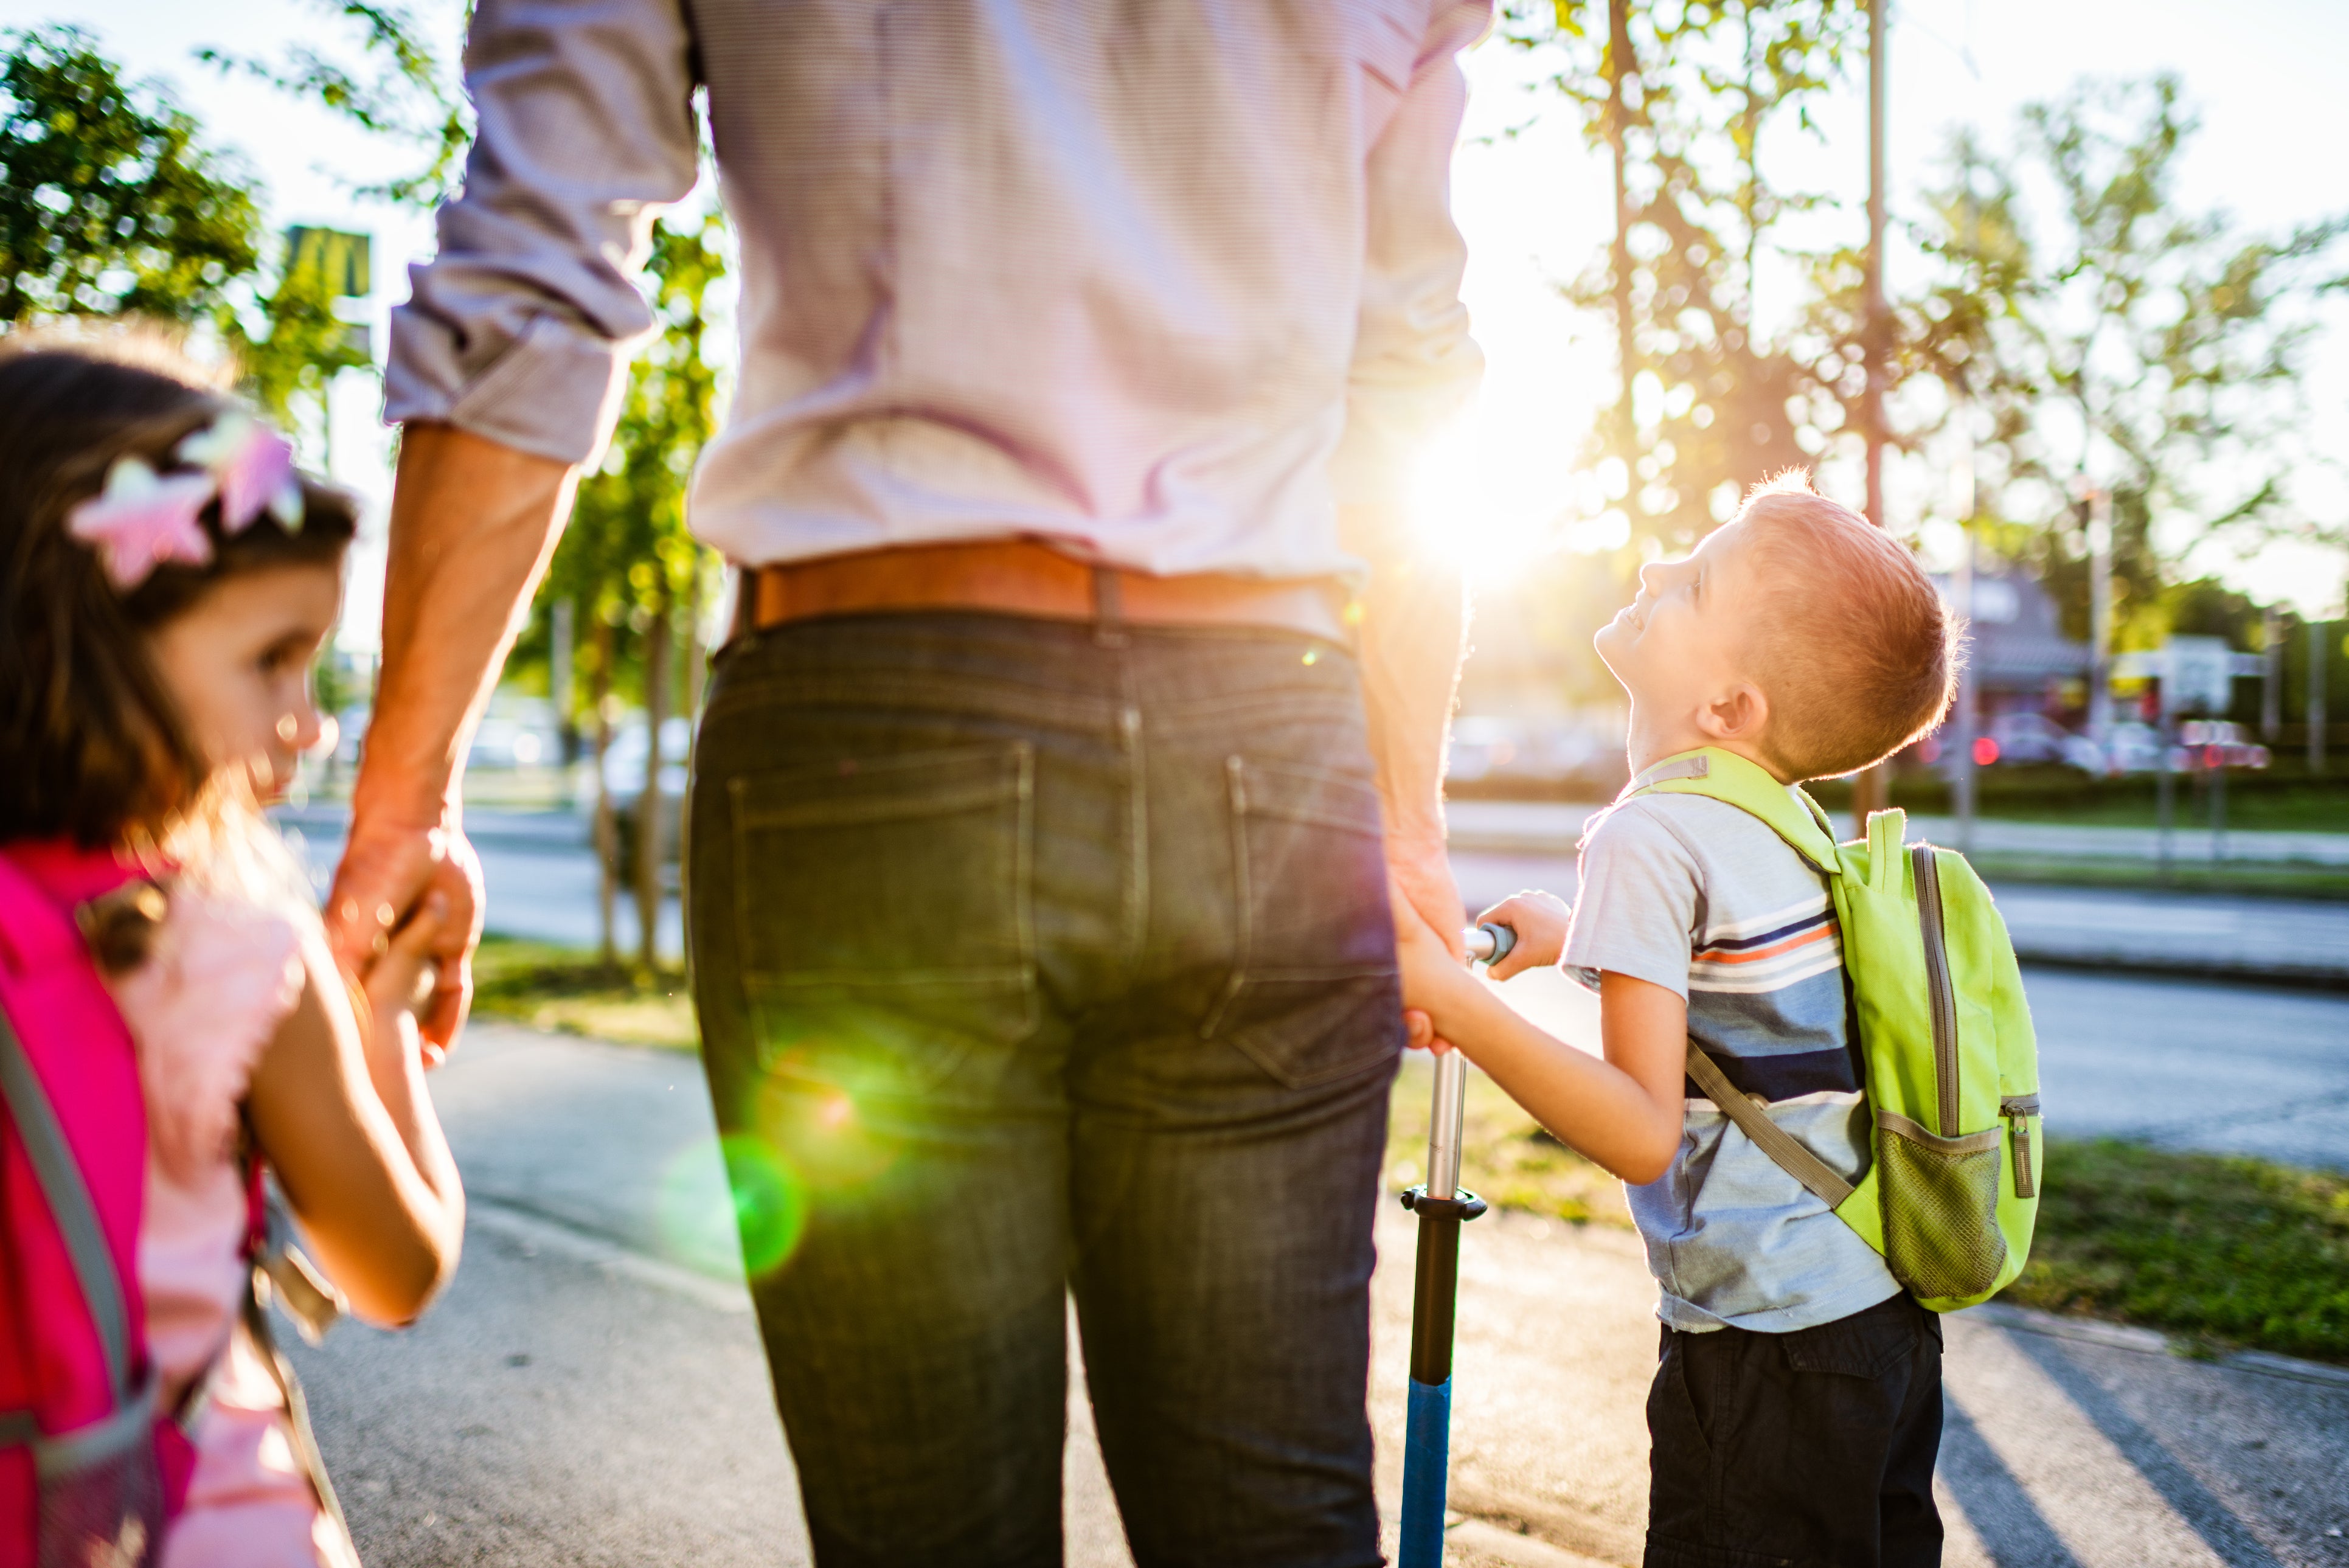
x: 770, y: 1202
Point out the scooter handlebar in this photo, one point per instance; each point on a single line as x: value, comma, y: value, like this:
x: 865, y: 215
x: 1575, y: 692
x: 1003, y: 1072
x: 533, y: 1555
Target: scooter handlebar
x: 1489, y: 943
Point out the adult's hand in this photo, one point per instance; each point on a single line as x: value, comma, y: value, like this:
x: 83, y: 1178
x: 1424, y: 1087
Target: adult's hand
x: 390, y: 868
x: 1426, y: 902
x: 1419, y: 872
x: 472, y: 524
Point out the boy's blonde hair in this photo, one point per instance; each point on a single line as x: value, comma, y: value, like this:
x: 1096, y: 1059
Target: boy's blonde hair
x: 1855, y: 650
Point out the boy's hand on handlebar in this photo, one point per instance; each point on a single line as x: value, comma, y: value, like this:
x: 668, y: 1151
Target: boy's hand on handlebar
x: 1541, y: 920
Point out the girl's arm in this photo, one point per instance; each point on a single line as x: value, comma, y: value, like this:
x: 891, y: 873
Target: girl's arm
x: 343, y: 1117
x: 1624, y: 1112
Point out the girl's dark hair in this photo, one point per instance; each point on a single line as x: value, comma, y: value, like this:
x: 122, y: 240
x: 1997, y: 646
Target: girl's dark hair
x: 91, y: 744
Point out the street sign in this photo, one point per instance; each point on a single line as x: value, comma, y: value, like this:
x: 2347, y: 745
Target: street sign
x: 347, y: 260
x: 2198, y: 675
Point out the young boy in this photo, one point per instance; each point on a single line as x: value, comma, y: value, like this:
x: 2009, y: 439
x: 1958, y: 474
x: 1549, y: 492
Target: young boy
x: 1798, y: 1410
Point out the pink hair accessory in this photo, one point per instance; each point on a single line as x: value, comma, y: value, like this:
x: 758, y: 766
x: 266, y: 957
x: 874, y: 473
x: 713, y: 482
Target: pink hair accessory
x: 255, y: 468
x: 141, y: 519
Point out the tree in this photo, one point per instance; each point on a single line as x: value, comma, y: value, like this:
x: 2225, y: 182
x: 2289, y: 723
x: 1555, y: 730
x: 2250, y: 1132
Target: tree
x: 1679, y: 96
x: 627, y: 559
x: 107, y: 204
x: 397, y: 90
x: 2125, y: 343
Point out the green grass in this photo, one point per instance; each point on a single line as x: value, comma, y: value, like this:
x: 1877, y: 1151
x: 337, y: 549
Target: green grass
x: 2230, y: 1252
x: 2312, y: 882
x: 1506, y: 1158
x: 560, y: 988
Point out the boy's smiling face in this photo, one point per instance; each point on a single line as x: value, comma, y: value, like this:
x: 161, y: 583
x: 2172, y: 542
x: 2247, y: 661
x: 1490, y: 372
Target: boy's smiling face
x: 1682, y: 650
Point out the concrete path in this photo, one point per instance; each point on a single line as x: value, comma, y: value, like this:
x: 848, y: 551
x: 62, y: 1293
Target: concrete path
x: 591, y: 1391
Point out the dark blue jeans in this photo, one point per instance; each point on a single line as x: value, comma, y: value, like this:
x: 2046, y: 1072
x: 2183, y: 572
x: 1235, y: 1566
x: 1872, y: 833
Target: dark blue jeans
x: 1036, y: 959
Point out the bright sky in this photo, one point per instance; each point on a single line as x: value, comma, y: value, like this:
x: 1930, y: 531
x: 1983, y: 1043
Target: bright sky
x: 1534, y: 205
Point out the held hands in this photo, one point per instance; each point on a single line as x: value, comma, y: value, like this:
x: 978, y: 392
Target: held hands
x: 387, y: 871
x: 1437, y: 989
x: 400, y: 984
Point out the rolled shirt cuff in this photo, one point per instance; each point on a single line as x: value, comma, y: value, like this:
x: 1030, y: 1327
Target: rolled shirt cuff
x: 555, y: 392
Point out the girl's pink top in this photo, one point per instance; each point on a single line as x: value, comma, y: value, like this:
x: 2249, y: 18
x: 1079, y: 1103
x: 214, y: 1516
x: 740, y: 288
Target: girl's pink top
x: 223, y: 975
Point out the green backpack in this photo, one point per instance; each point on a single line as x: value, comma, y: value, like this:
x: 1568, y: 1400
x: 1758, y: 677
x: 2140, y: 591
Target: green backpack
x: 1953, y: 1066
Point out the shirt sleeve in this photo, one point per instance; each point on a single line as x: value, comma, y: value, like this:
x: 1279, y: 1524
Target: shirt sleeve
x: 1640, y: 904
x: 520, y: 327
x: 1414, y: 363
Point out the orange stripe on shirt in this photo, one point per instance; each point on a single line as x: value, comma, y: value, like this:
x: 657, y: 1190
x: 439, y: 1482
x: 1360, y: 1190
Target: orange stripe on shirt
x: 1816, y: 933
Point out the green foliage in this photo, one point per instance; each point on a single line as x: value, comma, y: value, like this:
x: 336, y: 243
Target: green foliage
x: 107, y: 205
x: 2153, y: 351
x: 626, y: 557
x: 400, y: 91
x: 303, y: 347
x: 1711, y: 399
x: 2236, y: 1251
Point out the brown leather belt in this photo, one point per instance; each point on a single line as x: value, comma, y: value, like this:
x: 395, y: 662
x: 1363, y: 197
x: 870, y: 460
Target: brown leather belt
x: 1019, y: 577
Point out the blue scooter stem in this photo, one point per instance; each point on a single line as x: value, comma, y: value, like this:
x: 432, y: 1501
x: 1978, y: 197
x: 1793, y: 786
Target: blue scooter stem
x: 1443, y: 1209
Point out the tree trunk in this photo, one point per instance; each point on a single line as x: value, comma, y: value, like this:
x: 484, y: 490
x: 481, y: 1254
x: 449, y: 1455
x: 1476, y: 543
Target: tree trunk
x: 648, y: 805
x: 607, y: 826
x: 1620, y: 63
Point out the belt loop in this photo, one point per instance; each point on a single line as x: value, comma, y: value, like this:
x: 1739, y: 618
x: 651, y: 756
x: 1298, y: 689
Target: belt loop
x: 746, y: 603
x: 1109, y: 609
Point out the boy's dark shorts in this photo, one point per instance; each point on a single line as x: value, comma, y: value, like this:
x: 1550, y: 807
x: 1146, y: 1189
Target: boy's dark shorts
x: 1810, y: 1449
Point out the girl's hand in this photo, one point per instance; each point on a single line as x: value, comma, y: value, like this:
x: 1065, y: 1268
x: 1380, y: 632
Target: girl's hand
x: 399, y: 984
x: 1541, y: 920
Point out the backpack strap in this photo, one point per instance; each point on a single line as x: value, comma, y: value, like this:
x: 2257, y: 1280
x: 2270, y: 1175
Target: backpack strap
x: 1734, y: 781
x: 1768, y: 1136
x: 70, y: 1201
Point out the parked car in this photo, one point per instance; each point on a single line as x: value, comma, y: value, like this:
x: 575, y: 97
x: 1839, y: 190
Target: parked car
x: 2026, y: 737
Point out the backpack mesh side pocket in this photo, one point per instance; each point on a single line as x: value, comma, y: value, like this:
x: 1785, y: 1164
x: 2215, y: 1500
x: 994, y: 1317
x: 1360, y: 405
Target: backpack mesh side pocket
x: 1940, y: 1197
x: 100, y: 1495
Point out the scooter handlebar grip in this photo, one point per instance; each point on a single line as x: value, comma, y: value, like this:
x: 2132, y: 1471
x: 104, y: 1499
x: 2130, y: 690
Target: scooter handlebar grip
x: 1490, y: 942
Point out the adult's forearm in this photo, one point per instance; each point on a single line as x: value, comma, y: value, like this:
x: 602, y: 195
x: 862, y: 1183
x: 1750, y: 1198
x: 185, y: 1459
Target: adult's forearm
x: 472, y: 524
x: 1413, y: 616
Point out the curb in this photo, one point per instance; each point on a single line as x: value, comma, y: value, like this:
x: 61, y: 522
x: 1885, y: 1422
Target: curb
x: 2153, y: 1342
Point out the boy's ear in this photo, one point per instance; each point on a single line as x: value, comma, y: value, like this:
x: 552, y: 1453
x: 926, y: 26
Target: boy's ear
x: 1736, y: 716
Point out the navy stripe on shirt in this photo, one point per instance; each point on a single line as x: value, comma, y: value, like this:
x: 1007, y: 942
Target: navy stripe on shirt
x: 1785, y: 1076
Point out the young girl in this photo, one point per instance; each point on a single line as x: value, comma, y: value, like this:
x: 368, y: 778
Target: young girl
x: 166, y: 581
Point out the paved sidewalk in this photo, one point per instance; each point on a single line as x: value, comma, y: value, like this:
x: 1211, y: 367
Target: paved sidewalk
x: 591, y: 1391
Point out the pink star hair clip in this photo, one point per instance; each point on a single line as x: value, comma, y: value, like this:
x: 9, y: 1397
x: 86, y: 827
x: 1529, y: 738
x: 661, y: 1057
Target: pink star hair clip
x: 255, y: 469
x: 143, y: 519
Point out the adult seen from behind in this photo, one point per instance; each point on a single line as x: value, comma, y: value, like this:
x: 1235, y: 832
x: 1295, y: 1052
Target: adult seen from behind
x: 1082, y: 700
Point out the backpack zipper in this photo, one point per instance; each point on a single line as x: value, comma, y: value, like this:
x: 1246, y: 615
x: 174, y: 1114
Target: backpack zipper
x: 2018, y: 1110
x: 1943, y: 1000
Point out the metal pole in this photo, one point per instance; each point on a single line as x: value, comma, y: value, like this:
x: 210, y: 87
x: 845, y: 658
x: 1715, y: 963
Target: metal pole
x: 2315, y: 697
x: 2270, y: 675
x: 2100, y: 614
x: 1441, y: 1208
x: 1871, y: 790
x: 1961, y: 775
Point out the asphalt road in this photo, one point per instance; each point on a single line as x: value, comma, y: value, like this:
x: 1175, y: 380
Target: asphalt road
x: 591, y: 1390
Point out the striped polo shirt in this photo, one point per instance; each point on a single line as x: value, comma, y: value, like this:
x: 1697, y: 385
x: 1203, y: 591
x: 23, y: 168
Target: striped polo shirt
x: 1704, y: 899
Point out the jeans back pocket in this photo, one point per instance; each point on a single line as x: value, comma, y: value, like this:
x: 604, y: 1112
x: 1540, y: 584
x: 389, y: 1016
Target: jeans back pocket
x: 882, y: 909
x: 1315, y: 994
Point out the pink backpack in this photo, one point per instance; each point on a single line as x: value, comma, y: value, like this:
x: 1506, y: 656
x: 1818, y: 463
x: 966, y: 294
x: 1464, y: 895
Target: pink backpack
x: 90, y: 1466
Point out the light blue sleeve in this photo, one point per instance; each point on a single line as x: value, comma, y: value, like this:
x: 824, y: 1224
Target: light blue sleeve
x: 1641, y: 902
